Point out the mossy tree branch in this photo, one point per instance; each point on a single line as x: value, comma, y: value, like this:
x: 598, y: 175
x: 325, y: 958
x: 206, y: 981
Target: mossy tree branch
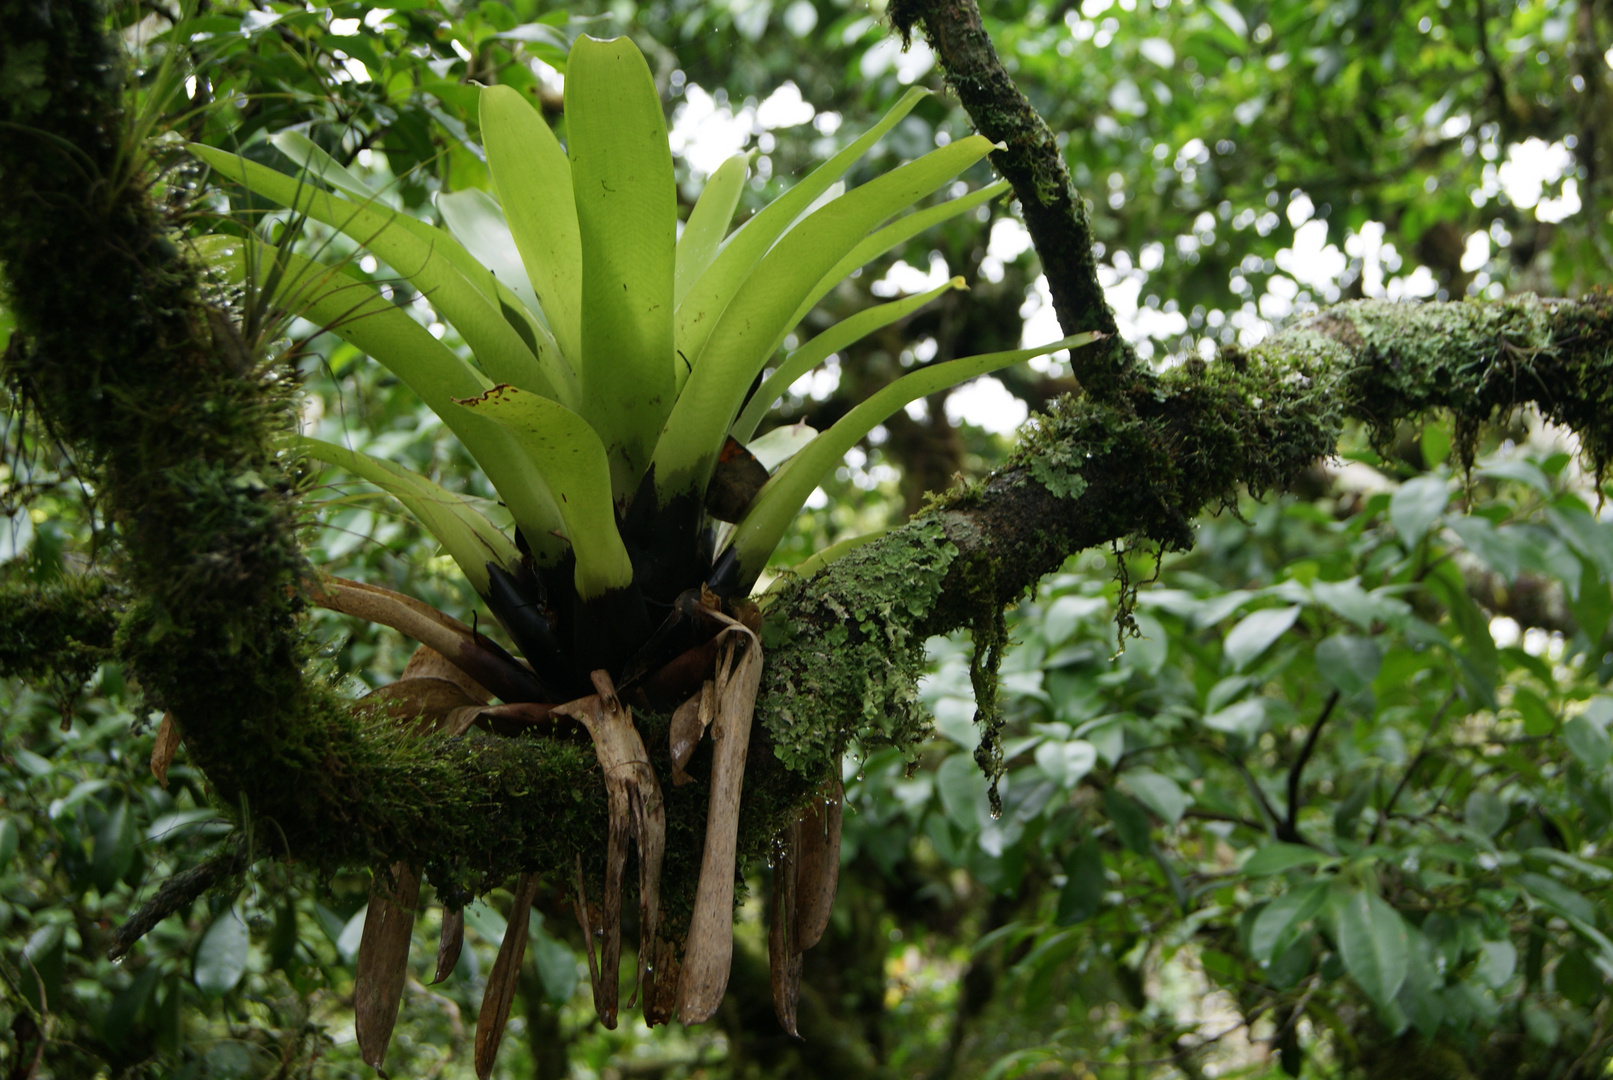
x: 848, y: 643
x: 124, y: 355
x: 1055, y: 214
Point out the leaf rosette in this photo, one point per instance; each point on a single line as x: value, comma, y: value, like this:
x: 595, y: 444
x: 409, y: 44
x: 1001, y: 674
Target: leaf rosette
x: 618, y: 369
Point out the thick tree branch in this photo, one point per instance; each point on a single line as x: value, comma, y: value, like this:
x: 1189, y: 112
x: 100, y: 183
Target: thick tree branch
x: 125, y: 357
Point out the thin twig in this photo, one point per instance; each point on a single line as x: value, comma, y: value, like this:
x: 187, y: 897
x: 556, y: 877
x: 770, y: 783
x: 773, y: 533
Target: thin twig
x: 1288, y: 830
x: 1411, y: 767
x: 176, y: 893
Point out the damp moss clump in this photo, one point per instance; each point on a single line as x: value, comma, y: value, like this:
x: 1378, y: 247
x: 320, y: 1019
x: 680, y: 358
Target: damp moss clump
x: 57, y: 633
x: 844, y: 654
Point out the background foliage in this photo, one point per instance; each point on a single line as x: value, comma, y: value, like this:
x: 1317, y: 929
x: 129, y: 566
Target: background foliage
x: 1341, y: 809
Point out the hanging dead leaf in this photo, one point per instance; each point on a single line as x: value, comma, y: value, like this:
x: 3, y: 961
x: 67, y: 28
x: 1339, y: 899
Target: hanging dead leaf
x: 449, y: 943
x: 585, y: 920
x: 689, y: 723
x: 383, y: 961
x: 162, y: 750
x: 661, y: 984
x: 633, y: 800
x: 783, y: 957
x: 709, y: 951
x: 817, y: 873
x: 504, y: 977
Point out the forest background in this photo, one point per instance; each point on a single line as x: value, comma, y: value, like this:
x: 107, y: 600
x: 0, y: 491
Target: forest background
x: 1340, y: 808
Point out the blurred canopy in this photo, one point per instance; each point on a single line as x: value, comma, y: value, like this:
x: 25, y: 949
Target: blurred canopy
x: 1340, y: 807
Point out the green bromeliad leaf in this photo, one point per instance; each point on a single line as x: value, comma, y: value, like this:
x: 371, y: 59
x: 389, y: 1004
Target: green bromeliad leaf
x: 898, y: 232
x: 711, y: 294
x: 357, y: 313
x: 571, y: 457
x: 759, y: 315
x: 428, y: 257
x: 708, y: 223
x: 313, y: 159
x: 468, y: 537
x: 476, y: 221
x: 776, y: 505
x: 816, y: 351
x: 532, y: 177
x: 627, y: 216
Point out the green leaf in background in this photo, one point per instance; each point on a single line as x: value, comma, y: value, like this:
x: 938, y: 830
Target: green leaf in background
x: 125, y: 1009
x: 556, y: 963
x: 8, y: 842
x: 1415, y: 506
x: 221, y: 954
x: 1255, y: 633
x: 1159, y: 793
x: 43, y: 962
x: 1419, y: 996
x: 1243, y: 718
x: 1436, y: 445
x: 1275, y: 857
x: 282, y: 952
x: 1485, y: 812
x: 1066, y: 762
x: 1519, y: 471
x: 1554, y: 894
x: 1130, y: 821
x: 114, y: 847
x: 1372, y: 943
x: 1082, y: 894
x: 1497, y: 961
x: 1587, y: 742
x: 1578, y: 979
x: 1349, y: 662
x: 1280, y: 921
x: 1479, y: 660
x: 962, y: 788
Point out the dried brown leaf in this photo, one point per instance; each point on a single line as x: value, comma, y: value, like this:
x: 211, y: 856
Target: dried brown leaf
x: 783, y: 957
x: 689, y: 724
x: 661, y: 984
x: 709, y: 951
x: 633, y: 799
x: 817, y: 873
x: 449, y: 943
x: 428, y: 663
x: 502, y: 980
x: 162, y: 750
x: 428, y: 699
x: 473, y: 654
x: 383, y: 961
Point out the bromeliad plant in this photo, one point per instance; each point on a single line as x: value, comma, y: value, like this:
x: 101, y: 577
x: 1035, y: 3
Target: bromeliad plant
x: 614, y: 358
x: 617, y: 380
